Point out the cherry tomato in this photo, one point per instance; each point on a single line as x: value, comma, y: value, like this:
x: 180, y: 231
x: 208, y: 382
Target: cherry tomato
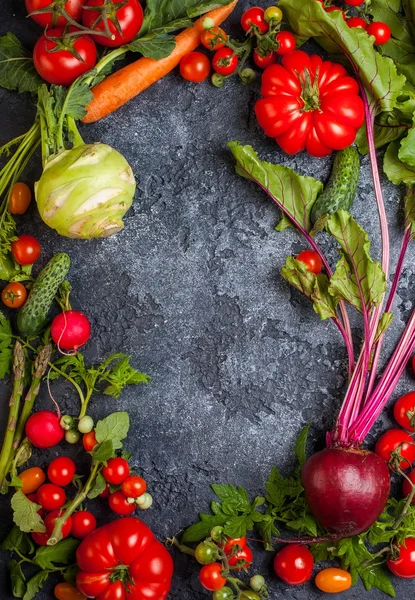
x: 14, y: 295
x: 50, y: 521
x: 404, y: 565
x: 380, y: 31
x: 50, y: 496
x: 404, y: 411
x: 214, y: 38
x: 119, y: 504
x: 133, y: 486
x: 61, y: 471
x: 287, y: 42
x: 83, y: 522
x: 254, y: 17
x: 311, y: 260
x: 354, y: 2
x: 333, y: 580
x: 195, y: 67
x: 116, y: 470
x: 294, y: 564
x: 206, y: 553
x: 124, y: 22
x: 63, y: 59
x: 89, y: 441
x: 357, y: 22
x: 249, y: 595
x: 336, y: 8
x: 25, y: 250
x: 225, y: 61
x: 54, y: 18
x: 66, y: 591
x: 406, y: 486
x: 264, y: 61
x: 106, y: 492
x: 242, y: 555
x: 210, y: 577
x: 274, y: 14
x: 390, y: 440
x: 32, y: 479
x: 20, y: 198
x: 41, y: 539
x: 232, y: 542
x: 224, y: 593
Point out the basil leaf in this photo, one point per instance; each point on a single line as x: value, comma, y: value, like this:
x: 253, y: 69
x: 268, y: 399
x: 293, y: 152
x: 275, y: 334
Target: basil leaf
x: 300, y: 447
x: 17, y: 71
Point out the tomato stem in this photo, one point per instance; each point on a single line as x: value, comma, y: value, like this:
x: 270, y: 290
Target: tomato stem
x: 182, y: 547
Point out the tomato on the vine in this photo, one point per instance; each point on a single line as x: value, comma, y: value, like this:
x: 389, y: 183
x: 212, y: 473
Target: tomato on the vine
x: 211, y: 578
x: 404, y: 565
x: 50, y: 496
x: 225, y: 61
x: 31, y: 479
x: 224, y: 593
x: 294, y: 564
x: 254, y: 17
x: 312, y: 261
x: 249, y: 595
x: 390, y: 441
x: 333, y: 580
x: 25, y: 250
x: 206, y: 553
x: 286, y: 41
x: 89, y: 441
x: 134, y: 486
x: 83, y: 522
x: 231, y: 543
x: 50, y: 521
x: 357, y: 22
x: 274, y: 14
x: 244, y: 555
x: 404, y: 411
x: 119, y: 504
x: 66, y: 591
x: 264, y: 61
x: 116, y: 470
x: 61, y: 470
x: 124, y: 21
x: 20, y: 198
x: 380, y: 31
x: 14, y: 295
x: 51, y: 12
x: 214, y: 38
x: 195, y: 67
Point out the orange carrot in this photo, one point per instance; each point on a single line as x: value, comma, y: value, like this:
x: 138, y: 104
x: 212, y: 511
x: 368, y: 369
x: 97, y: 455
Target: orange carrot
x: 123, y: 85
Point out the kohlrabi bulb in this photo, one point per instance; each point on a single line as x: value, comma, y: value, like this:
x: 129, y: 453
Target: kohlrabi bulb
x: 85, y: 192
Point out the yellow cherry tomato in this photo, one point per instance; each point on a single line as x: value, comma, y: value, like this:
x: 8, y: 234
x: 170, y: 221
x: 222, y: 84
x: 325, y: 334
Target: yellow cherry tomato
x: 32, y: 479
x: 333, y: 580
x: 274, y: 14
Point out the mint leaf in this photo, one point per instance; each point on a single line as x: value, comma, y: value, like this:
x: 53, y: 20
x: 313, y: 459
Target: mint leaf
x: 25, y: 513
x: 17, y: 578
x: 99, y: 486
x: 47, y: 557
x: 300, y: 447
x: 113, y: 428
x: 35, y: 584
x: 17, y: 71
x: 397, y: 171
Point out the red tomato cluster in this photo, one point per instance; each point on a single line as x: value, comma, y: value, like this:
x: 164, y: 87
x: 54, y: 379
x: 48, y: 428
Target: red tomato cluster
x: 379, y: 30
x: 67, y: 48
x: 124, y: 491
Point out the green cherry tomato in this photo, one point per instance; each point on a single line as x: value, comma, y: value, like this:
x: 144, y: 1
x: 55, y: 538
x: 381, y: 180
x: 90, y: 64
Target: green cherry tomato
x: 216, y: 533
x: 248, y: 595
x: 257, y: 582
x: 206, y: 553
x: 86, y: 424
x: 274, y: 14
x: 223, y: 594
x: 72, y: 436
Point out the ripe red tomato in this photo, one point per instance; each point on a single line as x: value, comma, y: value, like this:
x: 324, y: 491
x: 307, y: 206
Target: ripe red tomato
x: 133, y: 486
x: 404, y: 565
x: 126, y: 542
x: 254, y: 17
x: 61, y: 471
x: 333, y: 580
x: 61, y: 60
x: 116, y: 470
x: 319, y: 121
x: 232, y: 542
x: 41, y: 539
x: 89, y: 441
x: 128, y: 17
x: 20, y: 198
x: 195, y: 67
x: 287, y: 42
x: 294, y: 564
x: 25, y: 250
x: 406, y: 486
x: 225, y: 61
x: 354, y: 2
x: 357, y: 22
x: 214, y: 39
x: 50, y: 521
x: 83, y: 522
x: 380, y: 31
x: 14, y: 295
x: 264, y: 61
x: 53, y: 17
x: 404, y: 411
x: 311, y: 260
x: 50, y: 496
x: 245, y: 554
x: 336, y: 8
x: 119, y: 504
x: 32, y: 479
x: 390, y: 440
x: 210, y: 577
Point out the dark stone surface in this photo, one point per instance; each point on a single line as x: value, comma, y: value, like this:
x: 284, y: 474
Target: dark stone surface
x: 191, y: 290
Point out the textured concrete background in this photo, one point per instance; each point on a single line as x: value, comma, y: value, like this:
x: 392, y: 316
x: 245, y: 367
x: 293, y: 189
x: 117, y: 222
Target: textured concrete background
x: 191, y: 289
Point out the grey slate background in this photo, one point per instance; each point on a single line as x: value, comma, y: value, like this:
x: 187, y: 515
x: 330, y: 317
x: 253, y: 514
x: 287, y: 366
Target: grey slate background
x: 191, y: 289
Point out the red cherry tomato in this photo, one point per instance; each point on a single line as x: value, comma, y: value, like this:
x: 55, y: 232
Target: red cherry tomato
x: 225, y: 61
x: 41, y: 539
x: 210, y: 577
x: 89, y: 441
x: 50, y: 496
x: 33, y: 498
x: 195, y: 67
x: 354, y: 2
x: 380, y: 31
x: 404, y: 411
x: 390, y: 440
x: 242, y: 555
x: 50, y: 521
x: 133, y: 486
x: 61, y: 471
x: 53, y: 17
x: 406, y: 486
x: 25, y: 250
x: 311, y: 260
x: 294, y: 564
x: 336, y: 8
x: 83, y: 522
x: 264, y: 61
x: 357, y: 22
x: 404, y: 565
x: 119, y: 504
x: 124, y: 25
x: 14, y: 295
x: 213, y: 39
x: 116, y: 470
x: 32, y: 479
x: 287, y: 43
x: 254, y: 17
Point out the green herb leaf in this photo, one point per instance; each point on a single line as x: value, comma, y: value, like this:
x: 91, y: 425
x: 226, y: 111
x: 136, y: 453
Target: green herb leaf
x: 120, y: 375
x: 300, y: 447
x: 113, y: 428
x: 410, y: 210
x: 71, y: 573
x: 17, y: 71
x: 103, y: 452
x: 25, y: 513
x: 293, y: 193
x: 397, y: 171
x: 35, y: 584
x: 153, y: 46
x: 99, y: 486
x: 159, y: 13
x: 17, y: 578
x: 17, y: 540
x: 47, y: 557
x: 407, y: 149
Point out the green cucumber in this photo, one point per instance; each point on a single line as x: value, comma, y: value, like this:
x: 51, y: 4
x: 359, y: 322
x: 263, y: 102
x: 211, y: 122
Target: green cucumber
x: 340, y: 191
x: 31, y: 318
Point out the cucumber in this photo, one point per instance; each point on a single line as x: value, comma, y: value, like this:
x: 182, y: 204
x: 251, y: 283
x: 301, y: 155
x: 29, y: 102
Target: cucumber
x: 340, y: 191
x: 31, y: 318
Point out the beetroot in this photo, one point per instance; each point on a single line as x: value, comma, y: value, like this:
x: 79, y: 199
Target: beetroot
x: 70, y: 330
x: 44, y: 430
x: 346, y: 489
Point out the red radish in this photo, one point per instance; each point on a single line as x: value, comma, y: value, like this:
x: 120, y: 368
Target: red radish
x: 44, y: 430
x: 70, y: 330
x: 346, y: 489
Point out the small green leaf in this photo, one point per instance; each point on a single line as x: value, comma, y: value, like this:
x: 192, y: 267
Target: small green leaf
x: 17, y: 578
x: 153, y: 46
x: 35, y: 584
x: 25, y: 513
x: 300, y: 447
x: 99, y: 486
x: 113, y: 428
x: 384, y: 323
x: 238, y: 526
x: 200, y: 530
x: 47, y: 557
x: 103, y: 452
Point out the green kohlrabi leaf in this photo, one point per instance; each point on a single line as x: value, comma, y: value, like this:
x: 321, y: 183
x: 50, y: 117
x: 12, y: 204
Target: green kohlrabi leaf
x: 397, y: 171
x: 293, y: 193
x: 357, y: 279
x: 17, y: 71
x: 159, y: 13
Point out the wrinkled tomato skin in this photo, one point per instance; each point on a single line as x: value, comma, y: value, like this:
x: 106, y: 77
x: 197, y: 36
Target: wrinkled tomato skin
x: 92, y: 584
x: 404, y: 565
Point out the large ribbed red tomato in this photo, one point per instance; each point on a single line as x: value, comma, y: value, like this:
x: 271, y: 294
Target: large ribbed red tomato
x: 124, y: 561
x: 309, y: 104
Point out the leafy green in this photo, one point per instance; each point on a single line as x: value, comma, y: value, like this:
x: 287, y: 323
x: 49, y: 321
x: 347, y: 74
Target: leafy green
x: 35, y: 584
x: 158, y: 13
x: 99, y: 486
x: 384, y: 134
x: 113, y: 428
x: 47, y: 557
x: 103, y: 452
x: 300, y: 447
x: 153, y: 46
x: 17, y: 71
x: 17, y: 578
x: 18, y: 540
x: 407, y: 149
x: 25, y: 513
x: 6, y: 346
x: 410, y: 210
x: 397, y: 171
x: 293, y: 193
x: 384, y: 324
